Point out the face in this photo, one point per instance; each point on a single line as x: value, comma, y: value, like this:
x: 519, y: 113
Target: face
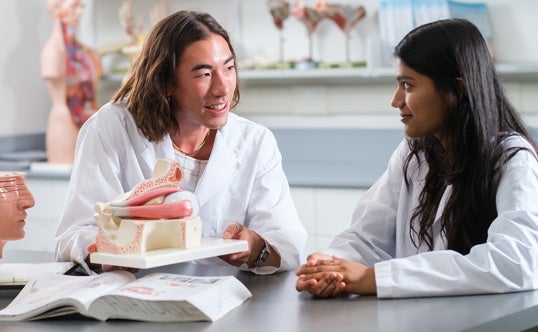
x: 423, y: 109
x: 70, y: 12
x: 205, y: 83
x: 15, y: 198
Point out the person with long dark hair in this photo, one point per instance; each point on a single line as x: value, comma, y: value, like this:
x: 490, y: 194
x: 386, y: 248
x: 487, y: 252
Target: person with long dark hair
x: 176, y: 104
x: 456, y: 211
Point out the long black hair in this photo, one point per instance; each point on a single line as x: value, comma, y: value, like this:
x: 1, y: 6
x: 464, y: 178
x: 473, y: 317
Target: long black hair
x: 455, y: 56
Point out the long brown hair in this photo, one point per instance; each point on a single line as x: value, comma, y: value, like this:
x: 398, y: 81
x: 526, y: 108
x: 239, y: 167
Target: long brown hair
x: 145, y: 91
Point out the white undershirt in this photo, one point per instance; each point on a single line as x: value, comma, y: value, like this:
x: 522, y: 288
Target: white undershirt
x: 192, y: 170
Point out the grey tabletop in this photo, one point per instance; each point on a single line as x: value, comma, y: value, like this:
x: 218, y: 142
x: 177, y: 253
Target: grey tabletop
x: 277, y: 306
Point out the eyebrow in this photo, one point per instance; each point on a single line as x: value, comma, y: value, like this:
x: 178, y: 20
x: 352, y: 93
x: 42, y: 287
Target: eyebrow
x: 404, y: 77
x: 207, y: 66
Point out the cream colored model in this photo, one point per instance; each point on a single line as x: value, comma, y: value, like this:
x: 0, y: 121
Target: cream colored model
x: 155, y: 214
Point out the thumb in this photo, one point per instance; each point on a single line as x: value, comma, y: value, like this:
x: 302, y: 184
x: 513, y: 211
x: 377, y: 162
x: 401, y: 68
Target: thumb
x: 232, y: 230
x: 92, y: 247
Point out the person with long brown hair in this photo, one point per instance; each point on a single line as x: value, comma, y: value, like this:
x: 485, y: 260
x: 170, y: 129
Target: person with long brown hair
x: 176, y: 104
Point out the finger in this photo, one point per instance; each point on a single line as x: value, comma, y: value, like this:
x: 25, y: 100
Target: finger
x: 240, y: 256
x: 340, y: 286
x: 327, y: 285
x: 227, y: 259
x: 315, y: 257
x: 304, y: 285
x: 107, y: 268
x: 316, y: 269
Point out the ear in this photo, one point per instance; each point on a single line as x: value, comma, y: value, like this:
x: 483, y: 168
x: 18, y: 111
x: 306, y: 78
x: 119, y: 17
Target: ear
x: 461, y: 88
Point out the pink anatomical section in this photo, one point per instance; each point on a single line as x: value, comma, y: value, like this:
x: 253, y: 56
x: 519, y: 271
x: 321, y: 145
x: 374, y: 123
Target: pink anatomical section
x: 155, y: 198
x: 167, y: 176
x: 170, y: 206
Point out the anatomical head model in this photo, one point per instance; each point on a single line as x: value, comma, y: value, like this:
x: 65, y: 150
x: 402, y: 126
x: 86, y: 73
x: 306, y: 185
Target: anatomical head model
x: 15, y: 198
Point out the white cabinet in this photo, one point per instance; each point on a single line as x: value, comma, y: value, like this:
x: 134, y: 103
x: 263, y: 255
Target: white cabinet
x: 324, y: 212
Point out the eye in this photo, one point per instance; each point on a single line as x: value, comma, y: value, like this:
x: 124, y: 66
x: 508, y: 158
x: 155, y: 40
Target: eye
x: 230, y: 67
x: 405, y: 85
x: 203, y: 74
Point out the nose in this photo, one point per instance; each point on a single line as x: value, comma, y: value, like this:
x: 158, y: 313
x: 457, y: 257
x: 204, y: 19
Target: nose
x: 397, y: 99
x: 220, y: 86
x: 26, y: 200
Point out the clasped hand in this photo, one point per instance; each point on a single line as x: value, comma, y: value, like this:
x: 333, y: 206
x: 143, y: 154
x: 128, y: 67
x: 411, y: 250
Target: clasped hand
x: 327, y: 276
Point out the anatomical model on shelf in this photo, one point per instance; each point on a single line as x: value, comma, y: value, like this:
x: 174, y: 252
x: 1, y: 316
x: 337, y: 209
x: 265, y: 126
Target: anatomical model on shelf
x: 155, y: 214
x: 15, y: 198
x: 280, y: 11
x: 133, y: 25
x: 310, y: 18
x: 344, y: 16
x: 72, y: 72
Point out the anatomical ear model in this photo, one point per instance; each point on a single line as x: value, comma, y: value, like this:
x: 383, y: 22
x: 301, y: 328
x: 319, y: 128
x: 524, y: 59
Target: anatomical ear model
x: 155, y: 214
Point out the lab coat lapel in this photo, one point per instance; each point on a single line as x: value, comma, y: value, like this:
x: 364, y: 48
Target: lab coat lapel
x: 218, y: 172
x: 150, y: 153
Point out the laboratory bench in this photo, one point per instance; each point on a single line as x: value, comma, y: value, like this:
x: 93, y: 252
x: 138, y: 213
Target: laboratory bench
x: 276, y: 306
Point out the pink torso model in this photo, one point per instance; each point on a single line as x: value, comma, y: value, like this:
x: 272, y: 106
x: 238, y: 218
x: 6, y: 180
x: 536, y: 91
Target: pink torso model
x: 81, y: 78
x: 71, y: 72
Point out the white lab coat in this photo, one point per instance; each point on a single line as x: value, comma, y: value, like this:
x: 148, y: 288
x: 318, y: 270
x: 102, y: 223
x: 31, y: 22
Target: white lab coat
x: 379, y: 236
x: 243, y: 181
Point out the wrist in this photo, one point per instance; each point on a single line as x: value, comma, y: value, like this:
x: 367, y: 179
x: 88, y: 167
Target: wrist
x: 262, y: 254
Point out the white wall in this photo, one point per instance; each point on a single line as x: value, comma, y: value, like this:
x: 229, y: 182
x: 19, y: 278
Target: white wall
x: 25, y: 25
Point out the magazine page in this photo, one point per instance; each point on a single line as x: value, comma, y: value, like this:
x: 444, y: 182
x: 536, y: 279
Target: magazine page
x: 172, y: 297
x: 18, y: 274
x: 55, y: 291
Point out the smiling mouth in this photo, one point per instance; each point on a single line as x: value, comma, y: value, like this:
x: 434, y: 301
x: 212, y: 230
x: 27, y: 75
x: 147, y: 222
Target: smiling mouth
x: 217, y: 107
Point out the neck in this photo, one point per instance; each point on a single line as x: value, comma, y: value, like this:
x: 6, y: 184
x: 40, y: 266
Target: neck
x: 190, y: 143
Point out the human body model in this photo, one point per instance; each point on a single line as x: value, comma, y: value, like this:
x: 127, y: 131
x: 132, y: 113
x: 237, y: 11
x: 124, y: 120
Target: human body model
x: 71, y: 72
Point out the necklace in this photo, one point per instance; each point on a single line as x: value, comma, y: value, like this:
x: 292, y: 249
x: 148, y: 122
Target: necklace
x: 195, y: 151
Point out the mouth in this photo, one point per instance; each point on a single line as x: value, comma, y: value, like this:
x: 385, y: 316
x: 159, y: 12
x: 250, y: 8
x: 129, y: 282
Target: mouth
x: 405, y: 117
x: 217, y: 108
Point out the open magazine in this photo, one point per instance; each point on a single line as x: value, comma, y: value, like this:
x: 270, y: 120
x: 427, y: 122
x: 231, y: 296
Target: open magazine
x: 157, y: 297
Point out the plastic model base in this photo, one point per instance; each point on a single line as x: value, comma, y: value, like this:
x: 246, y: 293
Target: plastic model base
x: 160, y: 257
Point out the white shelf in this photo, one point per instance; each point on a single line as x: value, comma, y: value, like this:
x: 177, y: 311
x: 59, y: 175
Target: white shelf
x: 519, y: 72
x: 523, y: 72
x: 317, y: 76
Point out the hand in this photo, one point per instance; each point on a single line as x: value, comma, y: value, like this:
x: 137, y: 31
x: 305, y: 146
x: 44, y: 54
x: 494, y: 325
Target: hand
x: 92, y: 247
x: 238, y: 231
x: 324, y: 277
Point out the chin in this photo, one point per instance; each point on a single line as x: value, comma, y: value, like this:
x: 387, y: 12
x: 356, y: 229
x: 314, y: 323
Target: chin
x: 218, y: 123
